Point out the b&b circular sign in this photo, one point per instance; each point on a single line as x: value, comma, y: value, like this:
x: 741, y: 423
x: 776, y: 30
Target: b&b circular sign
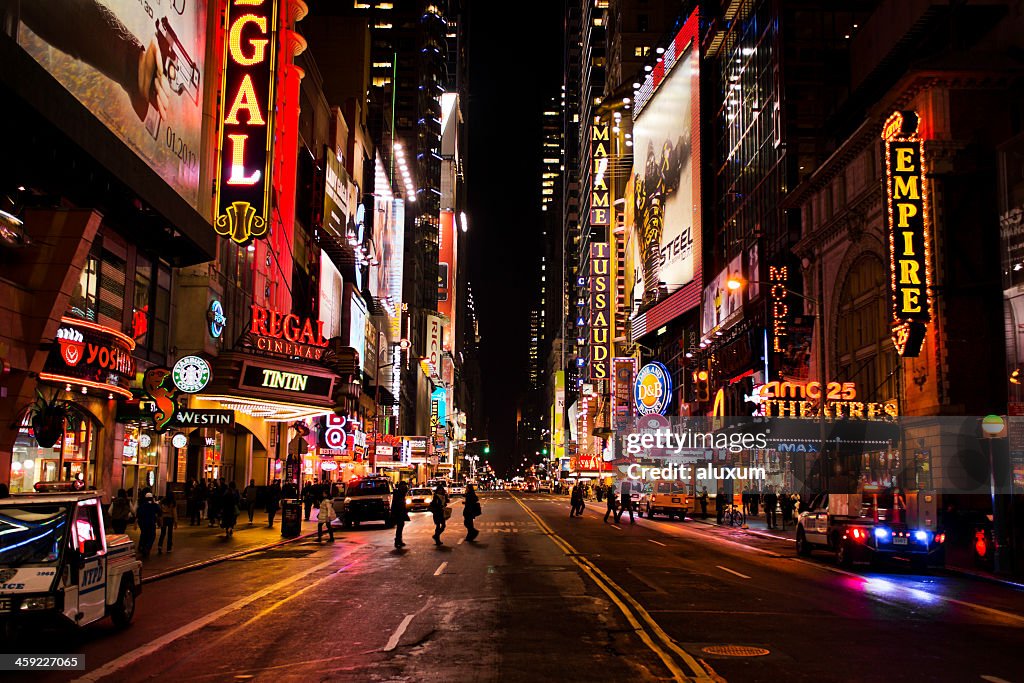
x: 652, y: 390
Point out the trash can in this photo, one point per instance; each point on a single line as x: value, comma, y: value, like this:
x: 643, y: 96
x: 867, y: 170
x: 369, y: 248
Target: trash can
x: 291, y: 518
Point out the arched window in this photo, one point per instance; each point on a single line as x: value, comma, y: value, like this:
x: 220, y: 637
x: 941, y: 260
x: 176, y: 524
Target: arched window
x: 863, y: 348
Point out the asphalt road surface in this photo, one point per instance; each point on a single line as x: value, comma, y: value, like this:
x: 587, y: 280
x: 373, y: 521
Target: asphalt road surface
x: 542, y: 597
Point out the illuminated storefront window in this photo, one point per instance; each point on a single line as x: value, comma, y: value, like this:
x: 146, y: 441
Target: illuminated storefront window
x: 71, y: 459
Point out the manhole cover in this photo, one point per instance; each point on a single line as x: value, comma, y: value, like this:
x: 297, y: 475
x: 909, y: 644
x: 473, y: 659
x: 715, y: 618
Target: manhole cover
x: 735, y: 651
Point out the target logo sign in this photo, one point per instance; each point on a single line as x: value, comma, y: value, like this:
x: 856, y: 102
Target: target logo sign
x: 334, y: 433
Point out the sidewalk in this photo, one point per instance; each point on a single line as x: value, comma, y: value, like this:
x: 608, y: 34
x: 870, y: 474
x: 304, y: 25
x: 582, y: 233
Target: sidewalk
x: 201, y: 545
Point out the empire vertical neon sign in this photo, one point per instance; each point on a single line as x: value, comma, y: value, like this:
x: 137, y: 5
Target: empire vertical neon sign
x: 247, y: 120
x: 909, y: 239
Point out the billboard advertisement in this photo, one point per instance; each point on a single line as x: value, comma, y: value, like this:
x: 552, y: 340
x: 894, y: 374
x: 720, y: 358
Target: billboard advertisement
x: 721, y: 304
x: 434, y: 345
x: 446, y: 269
x: 666, y: 168
x: 337, y: 191
x: 138, y: 67
x: 357, y: 324
x: 387, y: 248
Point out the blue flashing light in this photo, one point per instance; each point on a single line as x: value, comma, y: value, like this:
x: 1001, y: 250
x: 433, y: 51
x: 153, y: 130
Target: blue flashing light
x: 881, y: 533
x: 921, y: 536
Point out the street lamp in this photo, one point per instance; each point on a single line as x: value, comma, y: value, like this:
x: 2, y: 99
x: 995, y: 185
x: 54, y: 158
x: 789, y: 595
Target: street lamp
x: 736, y: 282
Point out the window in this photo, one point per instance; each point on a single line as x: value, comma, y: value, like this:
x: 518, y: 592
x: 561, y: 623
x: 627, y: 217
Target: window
x: 83, y: 300
x: 141, y: 305
x: 641, y: 50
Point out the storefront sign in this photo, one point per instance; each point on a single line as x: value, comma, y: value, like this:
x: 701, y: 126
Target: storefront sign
x: 777, y: 292
x: 623, y: 373
x: 434, y: 348
x: 803, y: 399
x: 286, y: 334
x: 909, y: 243
x: 652, y: 390
x: 600, y: 310
x: 247, y: 120
x: 193, y: 417
x: 216, y: 319
x: 589, y: 463
x: 91, y: 356
x: 191, y: 374
x: 179, y: 440
x: 600, y: 206
x: 273, y: 379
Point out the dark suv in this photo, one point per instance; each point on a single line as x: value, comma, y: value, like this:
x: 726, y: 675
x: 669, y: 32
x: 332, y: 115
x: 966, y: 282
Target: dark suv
x: 365, y: 500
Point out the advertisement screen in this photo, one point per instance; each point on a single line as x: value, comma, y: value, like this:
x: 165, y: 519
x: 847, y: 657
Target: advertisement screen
x: 666, y: 176
x: 138, y: 66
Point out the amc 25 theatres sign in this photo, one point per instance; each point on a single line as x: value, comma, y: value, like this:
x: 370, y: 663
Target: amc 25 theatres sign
x: 909, y: 240
x: 246, y: 120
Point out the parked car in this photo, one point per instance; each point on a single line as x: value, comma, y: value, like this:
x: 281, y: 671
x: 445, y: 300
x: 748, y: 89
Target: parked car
x: 366, y: 500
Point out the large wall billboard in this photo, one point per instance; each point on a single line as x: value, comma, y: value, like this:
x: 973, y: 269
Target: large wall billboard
x: 666, y: 168
x: 137, y: 66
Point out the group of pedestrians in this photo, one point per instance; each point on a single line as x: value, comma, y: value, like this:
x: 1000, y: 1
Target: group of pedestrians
x: 773, y: 500
x: 148, y: 516
x: 440, y: 512
x: 216, y: 501
x: 313, y: 494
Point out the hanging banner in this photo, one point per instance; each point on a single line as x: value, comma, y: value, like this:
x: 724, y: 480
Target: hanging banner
x: 246, y: 120
x: 623, y: 374
x: 909, y: 242
x: 600, y: 196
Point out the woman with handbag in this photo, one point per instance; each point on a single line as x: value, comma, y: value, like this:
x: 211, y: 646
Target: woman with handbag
x: 471, y: 510
x: 440, y: 511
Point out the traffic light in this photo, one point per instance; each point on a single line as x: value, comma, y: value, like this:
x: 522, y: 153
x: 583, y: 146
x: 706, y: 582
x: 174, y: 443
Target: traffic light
x: 701, y: 385
x: 487, y: 450
x: 544, y: 451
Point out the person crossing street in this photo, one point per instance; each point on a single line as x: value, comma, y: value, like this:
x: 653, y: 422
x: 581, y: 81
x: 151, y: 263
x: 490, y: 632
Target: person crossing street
x: 399, y: 513
x: 610, y: 497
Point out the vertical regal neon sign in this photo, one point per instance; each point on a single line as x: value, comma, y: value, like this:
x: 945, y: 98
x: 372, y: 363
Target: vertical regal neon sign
x: 909, y: 243
x: 247, y: 120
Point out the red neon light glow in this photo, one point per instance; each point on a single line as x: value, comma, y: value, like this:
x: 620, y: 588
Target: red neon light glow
x: 49, y: 377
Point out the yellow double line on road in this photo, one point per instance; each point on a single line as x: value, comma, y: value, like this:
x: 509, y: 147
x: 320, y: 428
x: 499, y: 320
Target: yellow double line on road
x: 651, y: 633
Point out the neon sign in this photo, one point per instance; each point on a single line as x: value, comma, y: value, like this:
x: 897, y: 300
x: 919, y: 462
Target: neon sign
x: 287, y: 334
x: 600, y: 208
x: 600, y: 284
x: 246, y: 126
x: 909, y: 242
x: 780, y: 310
x: 652, y: 390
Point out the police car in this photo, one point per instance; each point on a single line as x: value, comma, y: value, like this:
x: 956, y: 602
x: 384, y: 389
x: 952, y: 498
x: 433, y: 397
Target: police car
x: 58, y: 564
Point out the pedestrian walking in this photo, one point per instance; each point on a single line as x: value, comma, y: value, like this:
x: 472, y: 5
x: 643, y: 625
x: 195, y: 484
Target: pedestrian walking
x: 249, y: 495
x: 786, y: 503
x: 771, y: 502
x: 121, y: 512
x: 168, y: 520
x: 755, y: 498
x: 440, y: 511
x: 229, y: 509
x: 199, y: 506
x: 610, y: 497
x: 399, y: 513
x: 720, y: 506
x: 703, y: 499
x: 625, y: 503
x: 325, y: 518
x: 273, y: 501
x: 600, y: 493
x: 471, y: 510
x: 214, y: 503
x: 576, y: 501
x: 307, y: 498
x: 148, y: 515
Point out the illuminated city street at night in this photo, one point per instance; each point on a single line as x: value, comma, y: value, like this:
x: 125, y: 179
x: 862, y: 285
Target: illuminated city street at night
x: 564, y: 340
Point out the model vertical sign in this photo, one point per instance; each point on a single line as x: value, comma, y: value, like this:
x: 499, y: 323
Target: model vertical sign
x: 909, y: 244
x: 246, y: 120
x: 777, y: 277
x: 600, y: 196
x: 600, y: 311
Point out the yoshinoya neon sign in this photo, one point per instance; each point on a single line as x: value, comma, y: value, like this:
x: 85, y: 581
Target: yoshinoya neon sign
x: 247, y: 120
x: 91, y: 356
x: 652, y: 390
x: 287, y: 334
x: 909, y: 242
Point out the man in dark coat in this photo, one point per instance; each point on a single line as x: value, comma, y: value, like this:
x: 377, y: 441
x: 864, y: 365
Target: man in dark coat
x: 771, y: 501
x: 399, y: 513
x: 148, y: 514
x: 273, y: 501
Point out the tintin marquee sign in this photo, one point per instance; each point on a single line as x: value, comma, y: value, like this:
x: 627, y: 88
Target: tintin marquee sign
x: 246, y: 123
x: 909, y: 241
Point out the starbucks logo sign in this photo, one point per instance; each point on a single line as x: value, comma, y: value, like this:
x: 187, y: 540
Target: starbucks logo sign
x: 191, y: 374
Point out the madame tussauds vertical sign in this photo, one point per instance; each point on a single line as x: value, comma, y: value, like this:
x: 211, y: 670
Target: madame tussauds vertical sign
x: 909, y: 241
x: 246, y: 124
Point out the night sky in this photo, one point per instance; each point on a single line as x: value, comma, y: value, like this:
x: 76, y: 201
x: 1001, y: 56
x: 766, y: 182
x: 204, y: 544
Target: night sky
x: 514, y: 68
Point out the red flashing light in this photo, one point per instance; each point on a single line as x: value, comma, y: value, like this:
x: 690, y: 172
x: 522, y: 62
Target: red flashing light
x: 859, y: 534
x: 940, y: 538
x: 980, y: 545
